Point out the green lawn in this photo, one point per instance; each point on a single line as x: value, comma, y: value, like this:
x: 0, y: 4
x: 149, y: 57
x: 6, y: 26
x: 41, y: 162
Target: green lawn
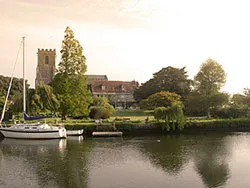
x: 127, y: 113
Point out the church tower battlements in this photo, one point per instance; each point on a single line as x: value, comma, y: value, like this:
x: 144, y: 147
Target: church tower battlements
x: 46, y: 66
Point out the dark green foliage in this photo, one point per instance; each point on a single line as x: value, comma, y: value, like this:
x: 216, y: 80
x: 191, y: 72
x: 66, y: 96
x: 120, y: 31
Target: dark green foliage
x: 39, y: 101
x: 101, y: 108
x: 2, y: 99
x: 103, y: 102
x: 232, y: 111
x: 42, y: 101
x: 69, y: 84
x: 17, y: 85
x: 8, y: 111
x: 72, y: 59
x: 167, y: 79
x: 98, y: 112
x: 208, y: 83
x: 160, y: 113
x: 238, y: 99
x: 219, y: 124
x: 172, y: 115
x: 199, y: 105
x: 194, y: 106
x: 144, y: 104
x: 163, y: 98
x: 15, y: 97
x: 210, y: 78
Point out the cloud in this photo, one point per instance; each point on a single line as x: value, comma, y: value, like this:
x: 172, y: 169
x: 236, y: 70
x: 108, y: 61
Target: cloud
x: 119, y: 13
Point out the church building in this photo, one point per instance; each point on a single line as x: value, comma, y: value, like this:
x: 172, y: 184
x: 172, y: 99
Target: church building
x: 119, y: 93
x: 46, y: 66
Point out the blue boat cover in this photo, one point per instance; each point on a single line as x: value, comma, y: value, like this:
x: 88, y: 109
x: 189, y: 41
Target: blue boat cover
x: 27, y: 117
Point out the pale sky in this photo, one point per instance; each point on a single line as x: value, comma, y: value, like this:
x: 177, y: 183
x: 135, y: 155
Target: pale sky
x: 132, y: 39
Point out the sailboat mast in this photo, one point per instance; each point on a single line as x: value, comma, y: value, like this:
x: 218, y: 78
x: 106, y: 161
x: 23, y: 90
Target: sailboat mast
x: 24, y: 97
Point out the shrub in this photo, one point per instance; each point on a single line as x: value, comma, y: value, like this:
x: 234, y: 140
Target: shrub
x: 101, y: 108
x: 98, y: 112
x: 173, y: 117
x: 159, y: 113
x: 230, y: 112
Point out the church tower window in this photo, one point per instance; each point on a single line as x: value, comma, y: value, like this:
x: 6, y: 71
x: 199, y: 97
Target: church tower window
x: 46, y: 59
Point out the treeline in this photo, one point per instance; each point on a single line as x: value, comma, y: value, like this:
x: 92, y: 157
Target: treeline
x: 200, y: 96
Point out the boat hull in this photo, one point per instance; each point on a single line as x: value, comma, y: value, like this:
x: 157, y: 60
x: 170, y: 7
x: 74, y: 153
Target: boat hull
x: 21, y: 134
x: 108, y: 134
x: 74, y: 132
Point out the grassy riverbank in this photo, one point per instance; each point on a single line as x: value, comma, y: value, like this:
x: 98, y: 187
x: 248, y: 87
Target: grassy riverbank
x: 134, y: 122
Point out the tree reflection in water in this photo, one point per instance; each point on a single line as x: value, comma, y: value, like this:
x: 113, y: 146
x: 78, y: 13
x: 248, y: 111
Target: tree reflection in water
x: 209, y: 154
x: 168, y: 153
x: 56, y: 163
x: 103, y: 162
x: 210, y: 158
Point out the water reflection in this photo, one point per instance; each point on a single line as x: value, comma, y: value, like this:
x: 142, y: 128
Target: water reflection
x: 46, y: 163
x: 211, y: 160
x: 27, y: 148
x: 79, y: 139
x: 167, y: 152
x: 211, y: 156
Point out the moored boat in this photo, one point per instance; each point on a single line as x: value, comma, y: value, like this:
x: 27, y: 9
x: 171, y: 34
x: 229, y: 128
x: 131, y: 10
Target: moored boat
x: 74, y: 132
x: 108, y: 134
x: 33, y: 131
x: 29, y: 131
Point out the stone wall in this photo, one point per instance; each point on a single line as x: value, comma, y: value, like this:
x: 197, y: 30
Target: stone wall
x: 45, y: 71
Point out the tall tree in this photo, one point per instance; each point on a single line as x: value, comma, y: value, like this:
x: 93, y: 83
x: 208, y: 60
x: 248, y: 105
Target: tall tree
x: 238, y: 99
x: 2, y: 99
x: 170, y: 79
x: 16, y: 86
x: 208, y: 83
x: 210, y: 78
x: 70, y: 84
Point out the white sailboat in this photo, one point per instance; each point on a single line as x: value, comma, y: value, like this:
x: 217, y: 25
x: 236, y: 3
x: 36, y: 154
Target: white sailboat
x: 29, y: 131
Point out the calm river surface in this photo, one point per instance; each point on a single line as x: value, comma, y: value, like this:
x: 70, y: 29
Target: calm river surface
x: 193, y: 160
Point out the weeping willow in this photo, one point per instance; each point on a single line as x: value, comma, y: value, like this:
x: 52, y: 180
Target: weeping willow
x: 172, y: 116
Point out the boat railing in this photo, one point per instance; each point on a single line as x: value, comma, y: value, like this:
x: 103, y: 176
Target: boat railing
x: 3, y: 125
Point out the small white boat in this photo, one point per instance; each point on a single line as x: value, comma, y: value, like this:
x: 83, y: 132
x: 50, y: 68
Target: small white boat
x: 114, y: 133
x: 74, y: 132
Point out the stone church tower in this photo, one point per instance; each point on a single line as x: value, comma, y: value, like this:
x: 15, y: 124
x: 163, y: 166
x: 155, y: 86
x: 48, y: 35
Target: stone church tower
x: 45, y: 71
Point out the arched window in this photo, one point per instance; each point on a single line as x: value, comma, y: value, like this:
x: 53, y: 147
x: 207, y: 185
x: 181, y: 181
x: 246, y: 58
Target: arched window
x: 46, y: 59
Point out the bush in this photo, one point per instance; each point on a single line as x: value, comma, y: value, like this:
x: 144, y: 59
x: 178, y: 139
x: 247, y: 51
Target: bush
x: 230, y: 112
x: 98, y: 112
x: 172, y: 115
x: 160, y: 113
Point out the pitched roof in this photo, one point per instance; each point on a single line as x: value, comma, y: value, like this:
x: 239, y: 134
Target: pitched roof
x: 105, y: 86
x: 91, y: 78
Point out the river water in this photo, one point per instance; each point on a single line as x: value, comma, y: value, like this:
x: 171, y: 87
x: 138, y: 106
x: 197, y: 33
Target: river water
x: 175, y: 161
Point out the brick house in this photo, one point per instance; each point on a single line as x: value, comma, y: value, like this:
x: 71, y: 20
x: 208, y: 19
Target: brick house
x: 119, y: 93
